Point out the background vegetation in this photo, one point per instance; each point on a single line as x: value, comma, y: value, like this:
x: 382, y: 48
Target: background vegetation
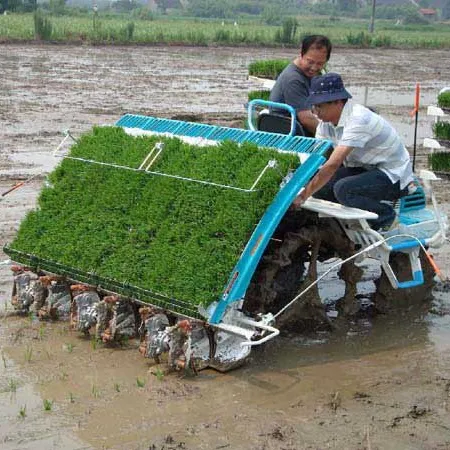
x: 229, y: 22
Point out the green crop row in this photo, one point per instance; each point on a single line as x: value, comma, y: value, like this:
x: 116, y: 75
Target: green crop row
x: 123, y: 29
x: 176, y: 237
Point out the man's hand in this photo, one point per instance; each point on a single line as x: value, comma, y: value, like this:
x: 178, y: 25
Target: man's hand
x: 300, y: 199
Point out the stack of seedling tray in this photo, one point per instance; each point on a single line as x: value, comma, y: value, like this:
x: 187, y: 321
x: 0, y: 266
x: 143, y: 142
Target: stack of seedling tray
x: 265, y: 69
x: 439, y: 161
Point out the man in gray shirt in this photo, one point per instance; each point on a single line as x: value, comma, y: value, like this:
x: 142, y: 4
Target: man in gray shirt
x: 292, y: 85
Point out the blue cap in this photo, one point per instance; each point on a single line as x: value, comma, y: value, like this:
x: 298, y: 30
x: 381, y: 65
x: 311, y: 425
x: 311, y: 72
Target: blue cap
x: 327, y: 88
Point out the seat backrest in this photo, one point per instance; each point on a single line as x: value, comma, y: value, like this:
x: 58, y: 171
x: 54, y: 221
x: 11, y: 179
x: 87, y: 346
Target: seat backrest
x: 413, y: 201
x: 275, y: 123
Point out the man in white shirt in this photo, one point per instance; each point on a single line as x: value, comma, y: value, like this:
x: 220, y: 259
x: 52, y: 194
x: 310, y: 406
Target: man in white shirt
x: 369, y: 163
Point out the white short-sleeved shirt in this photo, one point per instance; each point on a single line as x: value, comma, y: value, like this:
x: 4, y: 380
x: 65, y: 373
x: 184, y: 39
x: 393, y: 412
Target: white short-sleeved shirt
x: 375, y: 142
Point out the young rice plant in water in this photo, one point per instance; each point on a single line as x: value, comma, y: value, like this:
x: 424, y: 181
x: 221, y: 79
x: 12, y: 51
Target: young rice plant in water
x: 147, y: 232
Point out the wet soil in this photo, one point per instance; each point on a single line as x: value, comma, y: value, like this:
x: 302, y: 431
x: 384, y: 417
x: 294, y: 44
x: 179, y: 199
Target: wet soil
x: 382, y: 383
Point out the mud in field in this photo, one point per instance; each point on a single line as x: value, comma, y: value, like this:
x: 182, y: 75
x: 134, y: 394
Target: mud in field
x: 382, y: 383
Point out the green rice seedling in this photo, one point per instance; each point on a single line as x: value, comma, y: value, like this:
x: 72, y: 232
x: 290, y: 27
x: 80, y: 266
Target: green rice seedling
x: 69, y: 347
x: 159, y: 374
x: 71, y: 397
x: 48, y: 404
x: 441, y: 130
x: 261, y: 95
x: 94, y: 343
x: 439, y: 161
x: 41, y: 332
x: 140, y: 383
x: 117, y: 387
x: 149, y: 246
x: 23, y: 412
x: 269, y: 68
x: 64, y: 376
x: 4, y: 360
x: 444, y: 100
x: 28, y: 353
x: 12, y: 385
x: 95, y: 391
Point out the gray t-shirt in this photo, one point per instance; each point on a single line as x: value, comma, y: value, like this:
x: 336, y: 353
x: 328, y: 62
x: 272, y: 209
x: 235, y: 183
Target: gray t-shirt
x: 292, y: 88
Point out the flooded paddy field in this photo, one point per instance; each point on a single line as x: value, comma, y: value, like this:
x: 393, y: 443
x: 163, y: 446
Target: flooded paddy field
x: 382, y: 383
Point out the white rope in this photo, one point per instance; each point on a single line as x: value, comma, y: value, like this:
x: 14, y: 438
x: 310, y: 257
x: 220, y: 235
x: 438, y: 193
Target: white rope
x: 366, y: 249
x: 117, y: 166
x: 270, y: 165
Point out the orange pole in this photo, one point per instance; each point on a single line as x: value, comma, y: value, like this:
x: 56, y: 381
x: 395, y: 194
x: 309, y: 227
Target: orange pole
x: 16, y: 186
x: 415, y: 113
x: 417, y: 101
x: 436, y: 269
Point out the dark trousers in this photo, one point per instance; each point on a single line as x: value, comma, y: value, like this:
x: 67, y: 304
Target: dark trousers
x: 364, y: 189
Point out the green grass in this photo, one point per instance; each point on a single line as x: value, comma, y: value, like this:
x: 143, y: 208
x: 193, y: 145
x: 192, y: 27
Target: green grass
x: 115, y: 29
x: 179, y: 238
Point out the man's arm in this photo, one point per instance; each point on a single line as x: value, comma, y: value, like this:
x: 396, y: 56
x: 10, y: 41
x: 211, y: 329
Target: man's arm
x: 324, y: 175
x: 308, y: 120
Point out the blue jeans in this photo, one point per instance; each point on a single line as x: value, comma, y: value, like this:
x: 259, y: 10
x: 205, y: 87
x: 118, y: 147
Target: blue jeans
x: 364, y: 189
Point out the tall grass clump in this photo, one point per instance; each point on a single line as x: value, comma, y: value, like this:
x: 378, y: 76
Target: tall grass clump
x: 223, y: 36
x: 286, y: 34
x: 361, y: 39
x: 129, y: 31
x: 42, y: 26
x: 382, y: 41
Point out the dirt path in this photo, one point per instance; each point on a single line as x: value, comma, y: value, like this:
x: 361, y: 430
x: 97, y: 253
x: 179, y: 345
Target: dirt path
x: 383, y: 384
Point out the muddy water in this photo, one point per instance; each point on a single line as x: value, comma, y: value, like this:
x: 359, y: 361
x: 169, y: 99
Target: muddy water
x: 381, y: 384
